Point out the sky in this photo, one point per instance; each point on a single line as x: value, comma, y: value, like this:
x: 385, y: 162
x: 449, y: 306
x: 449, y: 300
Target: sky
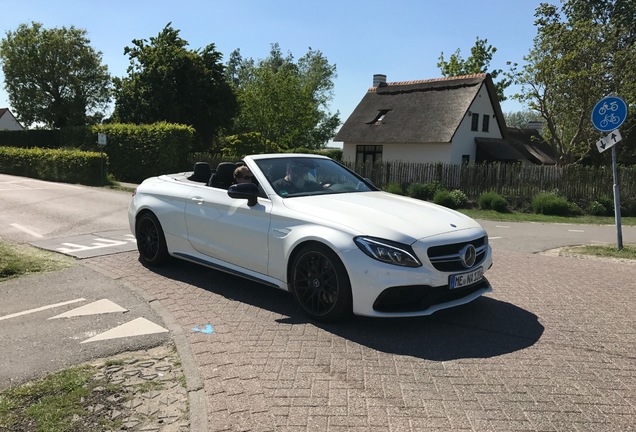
x: 402, y: 39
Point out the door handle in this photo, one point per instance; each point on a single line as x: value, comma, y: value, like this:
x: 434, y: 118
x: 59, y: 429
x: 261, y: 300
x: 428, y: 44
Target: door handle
x: 198, y: 200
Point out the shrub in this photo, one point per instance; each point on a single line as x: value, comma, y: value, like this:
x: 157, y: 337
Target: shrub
x: 493, y: 201
x: 459, y: 198
x: 550, y: 204
x: 70, y: 166
x: 425, y: 191
x: 418, y: 191
x: 394, y: 188
x: 444, y: 198
x: 600, y: 208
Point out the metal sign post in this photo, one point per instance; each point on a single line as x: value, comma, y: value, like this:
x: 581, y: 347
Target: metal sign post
x: 617, y: 202
x: 101, y: 142
x: 608, y: 114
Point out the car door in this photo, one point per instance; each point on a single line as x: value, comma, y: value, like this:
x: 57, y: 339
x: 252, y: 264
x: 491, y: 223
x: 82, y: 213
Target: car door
x: 228, y: 229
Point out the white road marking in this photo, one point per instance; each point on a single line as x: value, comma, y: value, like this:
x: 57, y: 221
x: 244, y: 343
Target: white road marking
x: 501, y: 226
x: 136, y: 327
x: 494, y: 238
x: 97, y: 307
x: 99, y: 244
x: 576, y: 230
x: 41, y: 309
x: 26, y: 230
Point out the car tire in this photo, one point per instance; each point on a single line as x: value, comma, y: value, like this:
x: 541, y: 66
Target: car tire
x: 151, y: 242
x: 320, y: 284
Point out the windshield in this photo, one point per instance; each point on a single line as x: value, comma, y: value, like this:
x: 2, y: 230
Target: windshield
x: 292, y: 177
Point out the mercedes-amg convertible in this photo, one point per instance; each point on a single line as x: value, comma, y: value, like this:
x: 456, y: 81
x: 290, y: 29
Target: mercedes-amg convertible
x: 309, y: 225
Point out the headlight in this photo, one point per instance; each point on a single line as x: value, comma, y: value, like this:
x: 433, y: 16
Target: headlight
x: 388, y: 251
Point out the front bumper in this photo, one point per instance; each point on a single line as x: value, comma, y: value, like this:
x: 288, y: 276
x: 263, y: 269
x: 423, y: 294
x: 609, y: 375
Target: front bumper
x: 384, y: 290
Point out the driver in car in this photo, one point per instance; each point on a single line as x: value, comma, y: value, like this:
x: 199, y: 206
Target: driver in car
x: 296, y: 181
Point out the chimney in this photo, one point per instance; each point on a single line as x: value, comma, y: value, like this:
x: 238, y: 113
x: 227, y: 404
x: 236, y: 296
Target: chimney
x: 379, y: 80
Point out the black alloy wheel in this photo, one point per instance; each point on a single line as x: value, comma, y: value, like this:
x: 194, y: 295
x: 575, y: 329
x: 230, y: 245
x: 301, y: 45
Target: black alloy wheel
x: 320, y: 283
x: 151, y: 242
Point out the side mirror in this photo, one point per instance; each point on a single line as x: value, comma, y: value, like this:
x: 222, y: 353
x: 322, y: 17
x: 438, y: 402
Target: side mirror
x: 248, y: 191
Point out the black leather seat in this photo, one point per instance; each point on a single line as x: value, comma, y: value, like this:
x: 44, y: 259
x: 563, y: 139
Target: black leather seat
x: 201, y: 172
x: 223, y: 177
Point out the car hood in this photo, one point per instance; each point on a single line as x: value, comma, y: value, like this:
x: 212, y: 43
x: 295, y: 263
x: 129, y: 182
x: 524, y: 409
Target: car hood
x: 382, y: 214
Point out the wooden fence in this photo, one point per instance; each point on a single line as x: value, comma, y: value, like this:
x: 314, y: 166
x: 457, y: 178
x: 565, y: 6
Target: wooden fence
x: 574, y: 182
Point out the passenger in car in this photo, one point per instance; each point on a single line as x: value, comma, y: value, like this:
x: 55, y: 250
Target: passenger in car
x: 295, y: 181
x: 243, y: 175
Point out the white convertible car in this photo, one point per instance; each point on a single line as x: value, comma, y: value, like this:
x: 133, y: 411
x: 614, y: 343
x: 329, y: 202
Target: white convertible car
x: 310, y: 226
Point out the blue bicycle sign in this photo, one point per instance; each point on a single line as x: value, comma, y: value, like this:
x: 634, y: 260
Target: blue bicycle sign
x: 609, y: 113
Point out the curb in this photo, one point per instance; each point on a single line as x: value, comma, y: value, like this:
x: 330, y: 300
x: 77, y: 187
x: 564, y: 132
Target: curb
x: 194, y: 383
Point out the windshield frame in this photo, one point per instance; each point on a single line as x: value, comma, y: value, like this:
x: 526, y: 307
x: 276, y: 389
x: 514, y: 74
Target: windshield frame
x: 322, y: 176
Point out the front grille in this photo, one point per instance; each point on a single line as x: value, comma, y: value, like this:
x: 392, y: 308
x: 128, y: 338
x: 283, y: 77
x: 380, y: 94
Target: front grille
x: 446, y: 258
x: 420, y: 297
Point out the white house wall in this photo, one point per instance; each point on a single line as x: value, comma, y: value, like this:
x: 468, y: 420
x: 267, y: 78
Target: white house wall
x: 419, y: 153
x: 464, y: 139
x: 463, y: 142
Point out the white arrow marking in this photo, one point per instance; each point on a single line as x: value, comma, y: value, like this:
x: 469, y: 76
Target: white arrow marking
x: 136, y: 327
x: 97, y: 307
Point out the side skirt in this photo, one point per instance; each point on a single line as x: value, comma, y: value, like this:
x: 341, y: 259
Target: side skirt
x: 225, y: 269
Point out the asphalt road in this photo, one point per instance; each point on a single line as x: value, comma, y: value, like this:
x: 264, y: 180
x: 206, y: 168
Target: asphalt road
x: 94, y: 222
x: 34, y: 210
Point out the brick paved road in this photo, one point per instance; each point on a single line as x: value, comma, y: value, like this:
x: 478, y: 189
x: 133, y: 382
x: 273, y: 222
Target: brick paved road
x: 553, y: 348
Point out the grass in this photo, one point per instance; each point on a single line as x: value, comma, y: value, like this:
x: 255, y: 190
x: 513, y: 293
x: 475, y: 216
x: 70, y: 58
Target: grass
x: 17, y: 260
x: 628, y: 251
x: 531, y: 217
x: 58, y: 403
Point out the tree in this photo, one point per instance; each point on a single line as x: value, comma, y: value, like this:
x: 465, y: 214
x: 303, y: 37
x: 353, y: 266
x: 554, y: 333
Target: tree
x: 583, y: 51
x: 285, y: 102
x: 520, y: 119
x: 478, y: 62
x: 53, y: 76
x: 168, y: 82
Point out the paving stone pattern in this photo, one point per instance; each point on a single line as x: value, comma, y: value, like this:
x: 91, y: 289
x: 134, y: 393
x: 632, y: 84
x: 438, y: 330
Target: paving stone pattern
x: 153, y: 383
x: 553, y: 348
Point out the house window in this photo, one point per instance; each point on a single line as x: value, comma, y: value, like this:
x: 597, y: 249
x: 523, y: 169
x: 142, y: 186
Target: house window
x: 474, y: 126
x: 465, y: 159
x: 484, y: 123
x: 368, y: 153
x: 379, y: 118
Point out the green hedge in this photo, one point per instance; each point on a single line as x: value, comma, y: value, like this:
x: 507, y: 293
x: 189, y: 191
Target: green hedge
x: 31, y: 138
x: 137, y: 152
x: 68, y: 166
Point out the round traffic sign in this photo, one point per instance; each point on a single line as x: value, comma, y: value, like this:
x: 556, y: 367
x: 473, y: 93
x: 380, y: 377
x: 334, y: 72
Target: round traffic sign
x: 609, y: 113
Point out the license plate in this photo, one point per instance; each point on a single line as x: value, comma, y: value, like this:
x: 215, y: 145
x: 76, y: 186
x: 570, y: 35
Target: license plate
x: 464, y: 279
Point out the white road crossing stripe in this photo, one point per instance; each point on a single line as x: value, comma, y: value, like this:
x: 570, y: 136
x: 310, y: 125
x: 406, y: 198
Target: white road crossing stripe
x: 98, y: 244
x: 136, y: 327
x: 97, y: 307
x: 26, y: 230
x: 576, y: 230
x: 41, y: 309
